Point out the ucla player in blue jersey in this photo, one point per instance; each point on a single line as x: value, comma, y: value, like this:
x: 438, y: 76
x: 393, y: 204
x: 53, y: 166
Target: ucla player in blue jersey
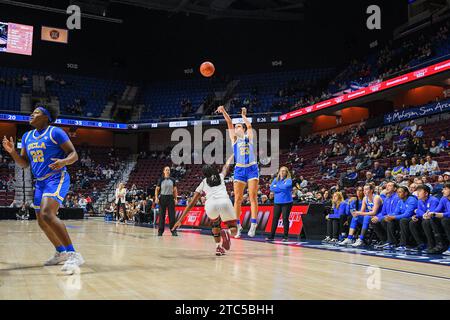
x: 48, y: 150
x: 371, y: 206
x: 246, y: 171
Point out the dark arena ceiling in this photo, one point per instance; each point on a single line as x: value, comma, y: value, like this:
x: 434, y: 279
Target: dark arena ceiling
x: 280, y: 10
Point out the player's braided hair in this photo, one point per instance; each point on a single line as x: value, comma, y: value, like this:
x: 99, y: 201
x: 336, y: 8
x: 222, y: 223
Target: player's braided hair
x: 212, y: 175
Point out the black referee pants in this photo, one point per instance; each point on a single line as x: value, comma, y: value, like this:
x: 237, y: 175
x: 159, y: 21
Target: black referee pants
x: 166, y: 203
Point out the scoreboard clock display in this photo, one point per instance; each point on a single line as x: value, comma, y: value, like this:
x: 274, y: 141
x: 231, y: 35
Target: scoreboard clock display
x: 68, y: 122
x: 135, y: 126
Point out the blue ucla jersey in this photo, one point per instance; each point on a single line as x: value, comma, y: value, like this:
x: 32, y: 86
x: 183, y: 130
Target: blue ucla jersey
x: 244, y: 154
x: 41, y: 147
x: 371, y: 204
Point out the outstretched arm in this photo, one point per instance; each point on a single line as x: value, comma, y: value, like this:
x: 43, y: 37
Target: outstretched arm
x: 248, y: 124
x: 226, y: 166
x: 21, y: 159
x: 225, y: 114
x: 186, y: 210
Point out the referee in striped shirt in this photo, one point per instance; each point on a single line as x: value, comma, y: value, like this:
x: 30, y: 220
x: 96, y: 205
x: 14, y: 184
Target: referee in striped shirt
x: 166, y: 195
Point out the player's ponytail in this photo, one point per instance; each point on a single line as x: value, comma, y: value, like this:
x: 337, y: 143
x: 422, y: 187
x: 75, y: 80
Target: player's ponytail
x: 212, y: 176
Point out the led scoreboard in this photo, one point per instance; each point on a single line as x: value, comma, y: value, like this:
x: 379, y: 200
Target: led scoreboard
x: 137, y: 126
x: 67, y: 122
x: 16, y: 38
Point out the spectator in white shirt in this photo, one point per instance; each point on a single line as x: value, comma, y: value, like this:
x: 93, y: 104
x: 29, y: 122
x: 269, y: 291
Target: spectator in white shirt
x: 304, y: 182
x: 431, y: 166
x: 413, y: 126
x: 82, y: 203
x: 373, y: 139
x: 415, y: 169
x: 421, y: 167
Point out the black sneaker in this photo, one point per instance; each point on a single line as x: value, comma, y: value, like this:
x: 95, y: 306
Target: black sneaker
x: 160, y: 234
x: 270, y: 239
x: 174, y: 234
x: 436, y: 250
x: 419, y: 248
x: 285, y: 240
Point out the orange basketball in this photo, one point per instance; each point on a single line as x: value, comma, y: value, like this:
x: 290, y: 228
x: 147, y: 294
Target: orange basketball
x: 207, y: 69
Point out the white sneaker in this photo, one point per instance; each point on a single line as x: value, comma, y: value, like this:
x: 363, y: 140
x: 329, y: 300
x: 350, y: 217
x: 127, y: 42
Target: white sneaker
x: 74, y: 261
x: 252, y: 231
x: 326, y: 240
x: 57, y: 258
x: 239, y: 231
x: 346, y: 242
x: 358, y: 243
x: 333, y: 241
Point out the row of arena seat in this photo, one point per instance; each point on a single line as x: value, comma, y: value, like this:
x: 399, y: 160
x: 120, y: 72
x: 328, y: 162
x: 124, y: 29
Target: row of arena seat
x: 147, y: 171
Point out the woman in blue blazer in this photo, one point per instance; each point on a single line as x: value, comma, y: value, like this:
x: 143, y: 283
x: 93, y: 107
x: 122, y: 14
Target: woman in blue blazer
x: 281, y: 186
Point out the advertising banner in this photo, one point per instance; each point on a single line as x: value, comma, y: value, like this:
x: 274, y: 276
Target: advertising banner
x: 413, y: 113
x: 198, y: 218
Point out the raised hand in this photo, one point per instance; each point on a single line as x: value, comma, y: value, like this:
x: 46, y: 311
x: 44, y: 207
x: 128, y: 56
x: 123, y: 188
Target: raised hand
x: 8, y: 145
x: 244, y: 112
x: 220, y: 109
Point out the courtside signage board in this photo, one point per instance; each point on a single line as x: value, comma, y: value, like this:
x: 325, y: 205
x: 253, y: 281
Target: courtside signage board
x: 198, y: 218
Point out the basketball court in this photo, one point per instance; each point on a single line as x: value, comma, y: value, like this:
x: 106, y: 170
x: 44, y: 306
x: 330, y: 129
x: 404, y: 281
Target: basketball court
x: 131, y: 262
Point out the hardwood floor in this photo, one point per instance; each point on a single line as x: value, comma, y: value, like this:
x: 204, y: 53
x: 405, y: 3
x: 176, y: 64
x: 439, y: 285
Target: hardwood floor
x: 127, y: 262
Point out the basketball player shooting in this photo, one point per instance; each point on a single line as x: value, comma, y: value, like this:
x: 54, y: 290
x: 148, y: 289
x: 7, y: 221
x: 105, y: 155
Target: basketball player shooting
x: 246, y: 171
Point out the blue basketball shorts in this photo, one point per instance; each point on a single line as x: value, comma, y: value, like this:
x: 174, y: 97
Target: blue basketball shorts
x: 245, y: 174
x: 55, y: 187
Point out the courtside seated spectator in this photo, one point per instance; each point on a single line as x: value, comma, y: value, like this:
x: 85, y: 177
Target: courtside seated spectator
x: 332, y: 172
x: 435, y: 150
x: 431, y: 167
x: 339, y: 209
x: 399, y: 168
x: 415, y: 169
x: 440, y: 223
x: 350, y: 178
x: 419, y: 132
x: 387, y: 229
x: 377, y: 170
x: 443, y: 143
x: 419, y: 226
